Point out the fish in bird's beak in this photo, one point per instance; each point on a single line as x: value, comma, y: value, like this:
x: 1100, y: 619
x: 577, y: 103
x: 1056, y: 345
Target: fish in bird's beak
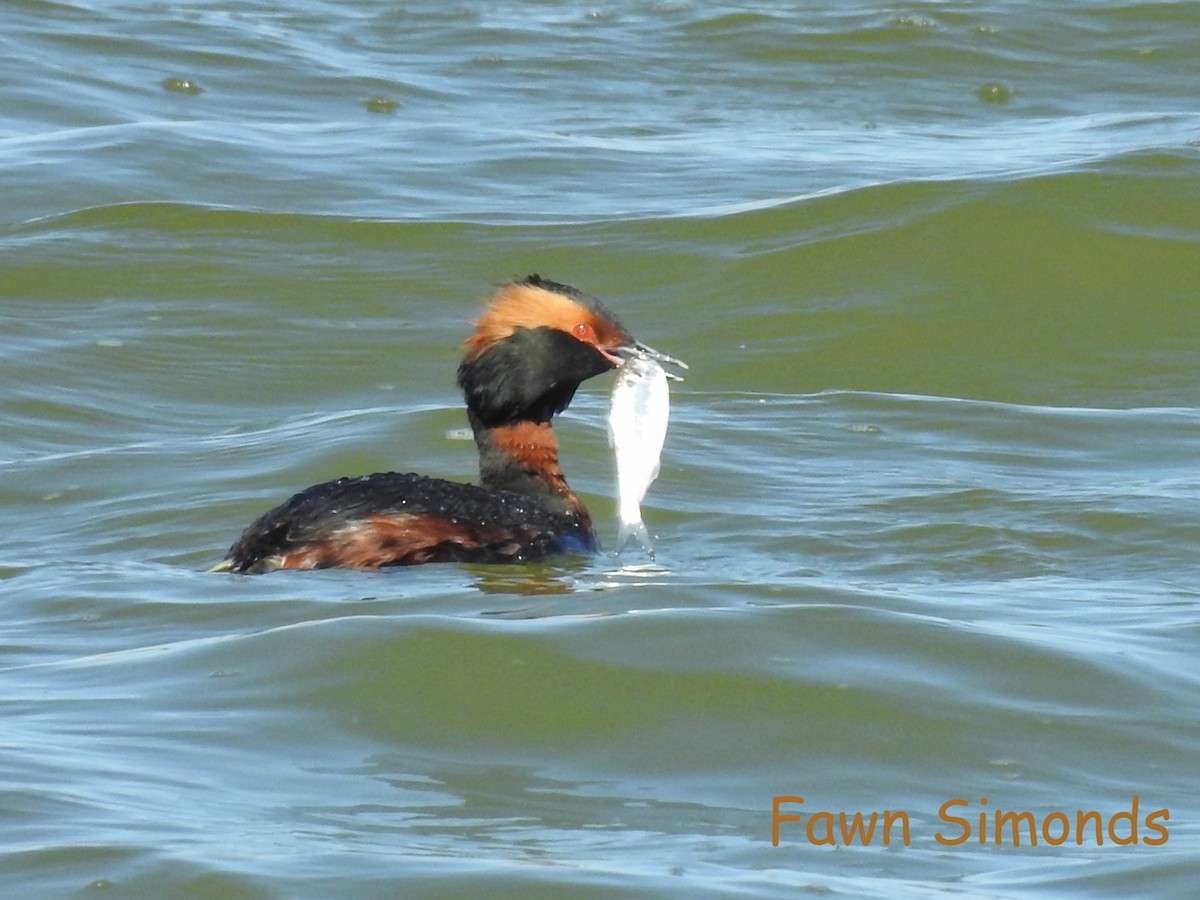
x: 637, y: 427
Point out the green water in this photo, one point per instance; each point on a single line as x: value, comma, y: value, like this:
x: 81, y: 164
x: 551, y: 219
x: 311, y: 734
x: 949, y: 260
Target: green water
x: 926, y: 523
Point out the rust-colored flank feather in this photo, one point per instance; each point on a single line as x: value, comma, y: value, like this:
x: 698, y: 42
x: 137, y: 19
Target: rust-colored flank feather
x: 389, y: 541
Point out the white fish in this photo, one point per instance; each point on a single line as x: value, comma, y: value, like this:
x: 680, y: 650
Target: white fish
x: 637, y: 426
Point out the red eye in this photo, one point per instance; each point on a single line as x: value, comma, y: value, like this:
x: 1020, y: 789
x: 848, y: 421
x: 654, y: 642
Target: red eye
x: 584, y: 332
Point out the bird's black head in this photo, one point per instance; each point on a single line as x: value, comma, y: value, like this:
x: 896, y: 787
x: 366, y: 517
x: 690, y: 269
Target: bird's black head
x: 534, y: 345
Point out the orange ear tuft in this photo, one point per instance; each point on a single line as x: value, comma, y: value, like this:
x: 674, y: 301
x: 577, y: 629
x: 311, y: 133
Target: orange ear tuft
x: 519, y: 305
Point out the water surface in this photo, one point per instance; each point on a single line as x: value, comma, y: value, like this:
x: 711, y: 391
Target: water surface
x: 926, y: 523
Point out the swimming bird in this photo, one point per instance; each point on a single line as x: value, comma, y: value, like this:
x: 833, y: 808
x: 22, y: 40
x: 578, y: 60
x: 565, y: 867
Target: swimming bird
x: 535, y: 343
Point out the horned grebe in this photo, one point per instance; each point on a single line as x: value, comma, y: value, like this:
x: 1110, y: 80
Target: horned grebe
x: 533, y: 346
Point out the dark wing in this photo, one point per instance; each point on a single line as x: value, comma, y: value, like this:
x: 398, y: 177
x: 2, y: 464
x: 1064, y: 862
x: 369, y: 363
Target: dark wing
x: 391, y: 519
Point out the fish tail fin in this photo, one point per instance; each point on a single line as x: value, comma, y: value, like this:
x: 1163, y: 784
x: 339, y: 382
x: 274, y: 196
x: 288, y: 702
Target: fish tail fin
x: 636, y: 529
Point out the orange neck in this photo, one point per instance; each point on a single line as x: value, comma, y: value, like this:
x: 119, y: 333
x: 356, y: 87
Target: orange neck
x: 523, y: 457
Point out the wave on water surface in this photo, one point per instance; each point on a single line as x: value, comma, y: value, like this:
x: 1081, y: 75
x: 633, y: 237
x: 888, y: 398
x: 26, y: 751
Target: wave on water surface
x: 926, y: 519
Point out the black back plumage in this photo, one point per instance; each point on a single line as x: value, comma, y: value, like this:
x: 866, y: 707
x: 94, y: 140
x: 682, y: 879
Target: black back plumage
x: 473, y: 524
